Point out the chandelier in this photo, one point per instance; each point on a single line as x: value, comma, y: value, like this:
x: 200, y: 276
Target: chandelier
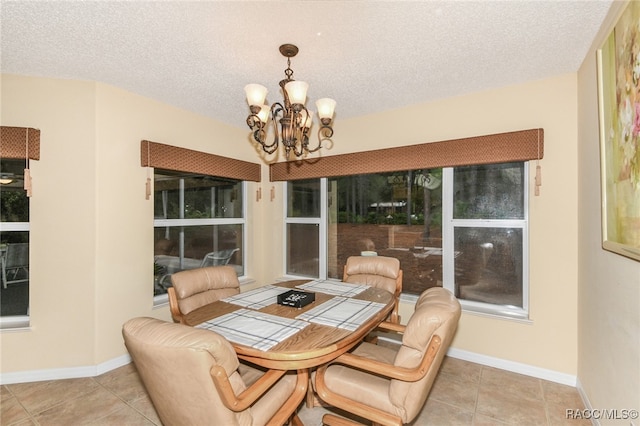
x: 294, y: 117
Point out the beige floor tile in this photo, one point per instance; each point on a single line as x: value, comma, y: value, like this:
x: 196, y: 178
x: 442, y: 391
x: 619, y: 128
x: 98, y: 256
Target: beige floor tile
x: 4, y: 393
x: 510, y: 407
x: 512, y: 383
x: 480, y: 420
x: 562, y: 395
x: 463, y: 369
x: 125, y: 416
x: 94, y: 405
x: 456, y: 390
x: 145, y: 407
x: 39, y: 396
x: 11, y: 411
x: 441, y: 414
x: 557, y: 415
x: 124, y: 382
x: 464, y: 393
x: 26, y: 422
x: 312, y: 416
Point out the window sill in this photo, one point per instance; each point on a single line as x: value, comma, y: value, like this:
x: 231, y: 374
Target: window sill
x: 482, y: 309
x: 15, y: 323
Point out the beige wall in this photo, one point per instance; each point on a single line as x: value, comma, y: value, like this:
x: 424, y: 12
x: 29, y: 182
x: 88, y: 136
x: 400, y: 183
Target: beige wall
x: 550, y: 340
x: 609, y: 284
x: 91, y: 227
x: 88, y: 281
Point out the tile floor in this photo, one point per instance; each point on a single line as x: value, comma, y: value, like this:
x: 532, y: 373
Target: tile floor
x: 463, y: 394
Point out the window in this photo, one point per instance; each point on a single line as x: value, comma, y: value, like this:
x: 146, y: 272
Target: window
x: 464, y: 228
x: 488, y: 228
x: 14, y: 242
x: 303, y: 225
x: 199, y: 220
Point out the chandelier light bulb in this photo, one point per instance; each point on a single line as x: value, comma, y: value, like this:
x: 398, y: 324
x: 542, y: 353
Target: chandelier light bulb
x: 256, y: 94
x: 263, y: 115
x: 325, y: 107
x: 297, y: 91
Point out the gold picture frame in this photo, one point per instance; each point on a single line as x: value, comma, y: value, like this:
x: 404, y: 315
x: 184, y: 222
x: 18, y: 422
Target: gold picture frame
x: 619, y: 116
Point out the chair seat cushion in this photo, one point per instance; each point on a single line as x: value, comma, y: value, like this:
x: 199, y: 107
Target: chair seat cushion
x: 273, y: 399
x: 360, y: 386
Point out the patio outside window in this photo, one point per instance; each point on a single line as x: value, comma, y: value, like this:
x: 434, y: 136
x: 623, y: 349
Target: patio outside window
x: 14, y: 244
x: 463, y: 228
x: 198, y: 221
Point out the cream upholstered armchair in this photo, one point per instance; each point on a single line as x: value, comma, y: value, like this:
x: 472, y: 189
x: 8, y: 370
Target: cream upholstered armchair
x: 376, y: 271
x: 194, y: 288
x: 193, y: 377
x: 390, y: 386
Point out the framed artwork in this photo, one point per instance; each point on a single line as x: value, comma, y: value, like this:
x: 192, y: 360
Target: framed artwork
x: 619, y: 116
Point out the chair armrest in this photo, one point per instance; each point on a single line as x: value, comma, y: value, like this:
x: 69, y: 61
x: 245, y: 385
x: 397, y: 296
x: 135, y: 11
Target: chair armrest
x: 333, y: 420
x: 287, y: 413
x: 173, y: 305
x: 375, y: 367
x: 392, y: 371
x: 248, y: 396
x: 391, y: 326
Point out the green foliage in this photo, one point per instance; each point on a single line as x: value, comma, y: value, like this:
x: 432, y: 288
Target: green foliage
x: 14, y: 206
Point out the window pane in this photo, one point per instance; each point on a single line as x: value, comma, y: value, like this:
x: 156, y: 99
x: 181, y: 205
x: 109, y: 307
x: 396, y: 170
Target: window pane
x: 303, y: 257
x: 187, y: 247
x: 388, y: 214
x: 488, y: 265
x: 491, y: 191
x: 14, y: 243
x: 204, y: 196
x: 14, y: 249
x: 14, y: 203
x: 304, y: 198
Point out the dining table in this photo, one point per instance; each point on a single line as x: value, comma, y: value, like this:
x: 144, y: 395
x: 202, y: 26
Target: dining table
x: 339, y: 318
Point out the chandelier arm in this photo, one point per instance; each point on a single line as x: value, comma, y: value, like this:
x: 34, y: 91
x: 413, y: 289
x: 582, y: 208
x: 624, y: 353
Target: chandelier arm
x: 254, y: 122
x: 300, y: 139
x: 324, y: 134
x: 259, y: 129
x: 260, y: 134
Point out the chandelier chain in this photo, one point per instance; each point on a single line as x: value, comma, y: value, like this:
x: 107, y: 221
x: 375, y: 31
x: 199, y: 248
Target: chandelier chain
x: 288, y: 72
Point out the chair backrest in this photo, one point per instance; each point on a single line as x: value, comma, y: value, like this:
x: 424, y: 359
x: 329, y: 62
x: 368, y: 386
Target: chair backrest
x: 174, y: 362
x: 218, y: 258
x: 376, y: 271
x: 17, y: 255
x: 437, y: 313
x: 194, y: 288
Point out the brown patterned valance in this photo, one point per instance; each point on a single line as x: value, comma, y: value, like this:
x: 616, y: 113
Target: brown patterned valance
x: 13, y: 142
x: 499, y: 148
x: 170, y: 157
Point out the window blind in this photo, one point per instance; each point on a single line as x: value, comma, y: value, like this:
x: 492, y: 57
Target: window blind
x: 18, y: 142
x: 161, y: 156
x: 507, y: 147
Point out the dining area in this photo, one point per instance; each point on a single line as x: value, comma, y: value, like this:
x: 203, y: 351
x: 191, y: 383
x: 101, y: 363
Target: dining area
x: 257, y: 357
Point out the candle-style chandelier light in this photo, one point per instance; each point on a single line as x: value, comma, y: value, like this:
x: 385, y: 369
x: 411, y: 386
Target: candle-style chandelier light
x: 294, y: 117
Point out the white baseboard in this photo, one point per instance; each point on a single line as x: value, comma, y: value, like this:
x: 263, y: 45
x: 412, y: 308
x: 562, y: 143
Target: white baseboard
x: 587, y: 403
x: 64, y: 373
x: 515, y: 367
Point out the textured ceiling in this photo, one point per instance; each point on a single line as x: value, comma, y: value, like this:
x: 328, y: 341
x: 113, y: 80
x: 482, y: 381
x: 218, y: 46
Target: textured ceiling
x: 370, y: 56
